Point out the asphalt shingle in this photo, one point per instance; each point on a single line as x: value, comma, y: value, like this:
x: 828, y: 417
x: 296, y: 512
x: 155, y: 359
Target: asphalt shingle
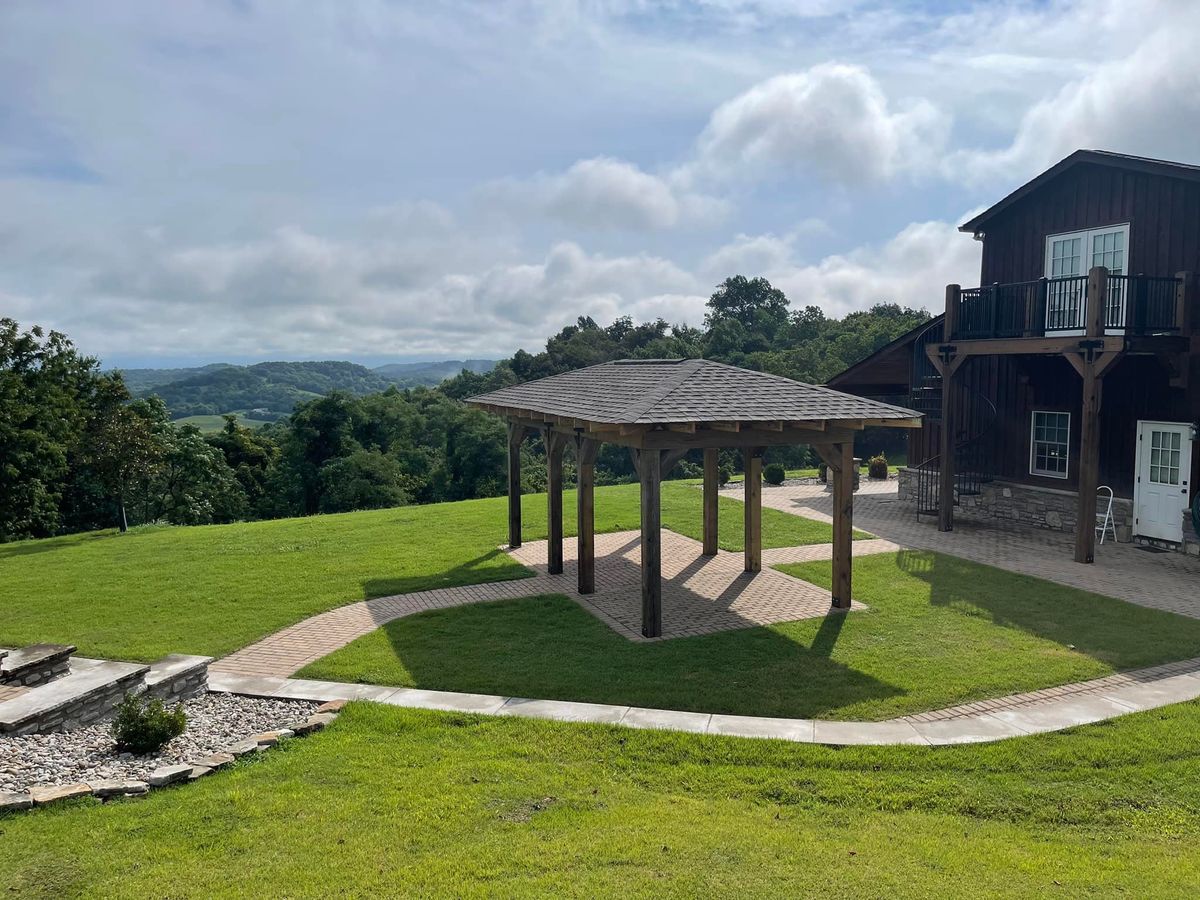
x: 660, y: 391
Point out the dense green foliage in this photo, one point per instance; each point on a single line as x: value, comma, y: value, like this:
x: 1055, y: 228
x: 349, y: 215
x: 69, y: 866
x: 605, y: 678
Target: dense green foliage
x: 404, y: 802
x: 155, y: 591
x: 79, y: 454
x: 144, y: 725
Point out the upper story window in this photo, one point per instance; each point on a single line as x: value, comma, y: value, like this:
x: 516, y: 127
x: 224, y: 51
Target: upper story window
x: 1049, y: 445
x: 1069, y: 256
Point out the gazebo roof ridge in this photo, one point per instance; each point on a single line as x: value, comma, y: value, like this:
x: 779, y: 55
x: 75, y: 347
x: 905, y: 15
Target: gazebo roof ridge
x: 648, y: 392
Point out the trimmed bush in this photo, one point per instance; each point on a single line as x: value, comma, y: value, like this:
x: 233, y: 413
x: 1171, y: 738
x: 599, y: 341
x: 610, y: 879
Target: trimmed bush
x: 823, y: 472
x: 877, y: 467
x: 143, y: 726
x: 774, y: 474
x: 723, y: 475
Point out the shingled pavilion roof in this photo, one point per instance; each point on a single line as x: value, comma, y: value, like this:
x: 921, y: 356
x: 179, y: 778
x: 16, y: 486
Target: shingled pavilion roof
x: 673, y: 391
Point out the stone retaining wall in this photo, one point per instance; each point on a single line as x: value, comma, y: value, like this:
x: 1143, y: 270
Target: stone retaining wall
x: 177, y: 677
x: 1037, y: 506
x: 79, y: 713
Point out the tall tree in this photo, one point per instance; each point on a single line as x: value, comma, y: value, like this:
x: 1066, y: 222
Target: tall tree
x: 123, y: 452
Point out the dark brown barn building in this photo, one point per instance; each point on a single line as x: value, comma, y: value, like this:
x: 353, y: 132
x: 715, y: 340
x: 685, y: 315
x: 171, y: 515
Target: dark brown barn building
x: 1075, y: 366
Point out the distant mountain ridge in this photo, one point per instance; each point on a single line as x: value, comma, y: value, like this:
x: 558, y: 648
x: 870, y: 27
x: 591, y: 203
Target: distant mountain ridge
x: 272, y: 389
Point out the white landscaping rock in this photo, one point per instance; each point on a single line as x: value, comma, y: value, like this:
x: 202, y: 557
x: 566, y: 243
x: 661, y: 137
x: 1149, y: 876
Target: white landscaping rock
x: 86, y: 756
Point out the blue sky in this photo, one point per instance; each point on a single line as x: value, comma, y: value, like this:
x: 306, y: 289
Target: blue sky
x: 195, y: 181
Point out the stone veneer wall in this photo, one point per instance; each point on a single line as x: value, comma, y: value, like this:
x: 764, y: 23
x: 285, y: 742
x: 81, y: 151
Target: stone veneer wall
x: 182, y: 686
x: 83, y: 711
x: 1037, y: 506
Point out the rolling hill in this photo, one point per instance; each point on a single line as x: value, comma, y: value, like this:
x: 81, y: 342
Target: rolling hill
x: 266, y: 391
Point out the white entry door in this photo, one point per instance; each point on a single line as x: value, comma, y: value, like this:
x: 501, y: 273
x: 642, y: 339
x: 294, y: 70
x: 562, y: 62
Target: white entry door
x: 1068, y: 258
x: 1164, y: 462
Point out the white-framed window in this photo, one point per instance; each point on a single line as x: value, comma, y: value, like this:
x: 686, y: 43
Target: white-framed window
x: 1069, y: 256
x: 1049, y: 443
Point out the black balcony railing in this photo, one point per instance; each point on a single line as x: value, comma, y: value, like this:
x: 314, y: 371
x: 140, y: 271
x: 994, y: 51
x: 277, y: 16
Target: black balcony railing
x: 1135, y: 304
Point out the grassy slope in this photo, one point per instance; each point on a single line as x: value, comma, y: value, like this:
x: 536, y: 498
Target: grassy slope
x: 213, y: 589
x: 417, y: 803
x: 940, y: 631
x: 211, y: 424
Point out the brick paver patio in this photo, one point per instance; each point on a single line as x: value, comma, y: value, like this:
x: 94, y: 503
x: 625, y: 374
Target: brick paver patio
x: 1166, y: 581
x: 701, y: 595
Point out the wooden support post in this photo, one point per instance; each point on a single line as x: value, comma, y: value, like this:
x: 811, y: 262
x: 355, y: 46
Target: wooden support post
x: 752, y: 465
x: 649, y: 465
x: 585, y: 506
x: 712, y: 481
x: 949, y: 416
x: 1089, y: 425
x: 843, y: 524
x: 555, y: 443
x: 516, y: 434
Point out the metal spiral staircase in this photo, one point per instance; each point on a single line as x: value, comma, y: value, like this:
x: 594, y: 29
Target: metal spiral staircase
x: 972, y: 466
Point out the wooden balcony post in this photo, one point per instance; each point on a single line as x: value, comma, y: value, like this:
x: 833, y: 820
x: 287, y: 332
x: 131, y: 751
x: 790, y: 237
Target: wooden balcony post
x: 585, y: 511
x: 712, y: 481
x: 516, y: 434
x: 1097, y: 302
x: 752, y: 464
x: 1089, y: 425
x: 949, y: 418
x: 555, y: 444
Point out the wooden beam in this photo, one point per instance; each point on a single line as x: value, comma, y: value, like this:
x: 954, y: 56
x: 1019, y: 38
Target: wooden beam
x: 724, y: 426
x: 555, y: 444
x: 843, y: 524
x: 684, y: 427
x: 671, y: 458
x: 649, y: 463
x: 1089, y: 427
x: 670, y: 440
x: 586, y: 450
x: 712, y: 483
x: 516, y: 434
x: 752, y: 465
x: 1041, y: 346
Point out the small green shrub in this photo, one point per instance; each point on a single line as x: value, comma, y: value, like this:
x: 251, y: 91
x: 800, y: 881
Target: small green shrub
x: 723, y: 475
x: 143, y: 726
x: 877, y: 467
x: 774, y: 474
x: 823, y: 472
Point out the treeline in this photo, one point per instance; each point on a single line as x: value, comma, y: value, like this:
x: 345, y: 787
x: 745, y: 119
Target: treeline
x: 78, y: 452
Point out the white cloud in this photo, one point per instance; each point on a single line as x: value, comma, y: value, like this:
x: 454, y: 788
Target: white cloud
x: 833, y: 120
x: 606, y: 193
x: 1146, y: 102
x: 911, y: 269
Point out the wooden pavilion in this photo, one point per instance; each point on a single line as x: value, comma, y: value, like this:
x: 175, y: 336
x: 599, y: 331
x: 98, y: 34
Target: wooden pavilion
x: 660, y: 409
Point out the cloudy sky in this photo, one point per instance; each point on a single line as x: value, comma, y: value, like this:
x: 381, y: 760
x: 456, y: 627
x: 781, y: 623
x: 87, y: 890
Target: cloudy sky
x: 244, y: 180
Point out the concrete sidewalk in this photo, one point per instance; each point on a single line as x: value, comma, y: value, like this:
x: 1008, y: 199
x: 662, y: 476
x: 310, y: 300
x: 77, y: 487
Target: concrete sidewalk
x: 1022, y: 714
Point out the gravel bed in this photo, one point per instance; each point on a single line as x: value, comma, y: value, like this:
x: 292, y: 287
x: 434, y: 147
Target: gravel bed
x: 214, y: 722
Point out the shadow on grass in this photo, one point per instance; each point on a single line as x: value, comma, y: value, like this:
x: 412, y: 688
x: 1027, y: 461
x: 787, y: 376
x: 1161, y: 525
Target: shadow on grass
x: 47, y: 545
x: 1113, y: 631
x: 548, y: 647
x: 494, y: 565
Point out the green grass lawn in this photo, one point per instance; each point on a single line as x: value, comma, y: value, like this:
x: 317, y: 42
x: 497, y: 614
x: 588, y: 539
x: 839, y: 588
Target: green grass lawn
x: 939, y: 631
x: 214, y: 589
x: 407, y: 802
